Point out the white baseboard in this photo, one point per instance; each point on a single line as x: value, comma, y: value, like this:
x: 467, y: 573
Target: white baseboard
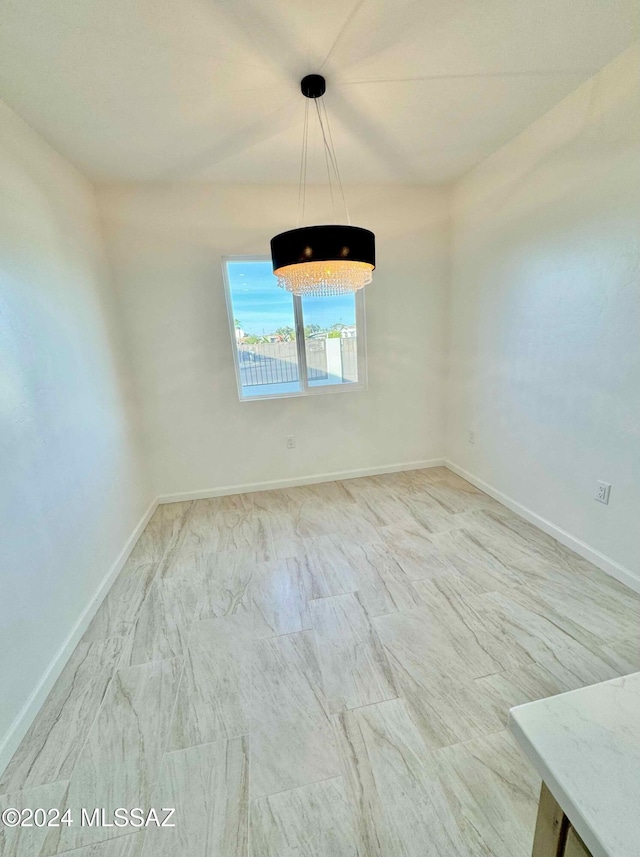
x: 603, y: 562
x: 300, y: 480
x: 26, y: 716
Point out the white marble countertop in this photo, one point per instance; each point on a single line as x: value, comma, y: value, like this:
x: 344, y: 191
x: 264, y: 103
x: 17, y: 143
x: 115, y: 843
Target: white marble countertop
x: 585, y: 745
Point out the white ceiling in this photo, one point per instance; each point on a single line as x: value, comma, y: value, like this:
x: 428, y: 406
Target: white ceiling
x: 418, y: 92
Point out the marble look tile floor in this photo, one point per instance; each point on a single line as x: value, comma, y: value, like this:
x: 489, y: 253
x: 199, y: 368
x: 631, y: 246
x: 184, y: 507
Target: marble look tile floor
x: 322, y: 671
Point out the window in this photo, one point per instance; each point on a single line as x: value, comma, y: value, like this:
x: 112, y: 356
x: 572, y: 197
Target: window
x: 285, y: 345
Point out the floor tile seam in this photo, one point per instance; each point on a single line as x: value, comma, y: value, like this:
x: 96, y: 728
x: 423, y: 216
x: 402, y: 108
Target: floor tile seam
x: 61, y: 707
x: 430, y: 753
x: 499, y: 672
x: 23, y: 790
x: 120, y: 667
x: 333, y: 595
x: 105, y: 696
x: 167, y: 737
x: 325, y: 696
x: 474, y: 738
x: 116, y: 670
x: 334, y: 715
x: 172, y: 547
x: 251, y: 698
x: 440, y: 691
x: 550, y: 658
x: 255, y: 639
x: 338, y: 776
x: 366, y: 609
x: 139, y: 586
x: 322, y: 703
x: 121, y: 832
x: 225, y: 740
x: 188, y: 626
x: 72, y: 851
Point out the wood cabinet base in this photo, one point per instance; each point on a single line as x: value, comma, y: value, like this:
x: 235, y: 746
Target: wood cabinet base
x: 554, y: 836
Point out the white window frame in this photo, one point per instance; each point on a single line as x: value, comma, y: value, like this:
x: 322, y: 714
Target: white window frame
x: 307, y: 390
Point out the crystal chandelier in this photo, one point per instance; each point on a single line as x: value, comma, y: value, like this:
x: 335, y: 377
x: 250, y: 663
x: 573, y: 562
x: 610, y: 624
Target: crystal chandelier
x: 322, y: 260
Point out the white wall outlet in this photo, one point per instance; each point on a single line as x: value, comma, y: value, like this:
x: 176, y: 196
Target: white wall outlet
x: 291, y: 442
x: 603, y: 489
x: 472, y: 437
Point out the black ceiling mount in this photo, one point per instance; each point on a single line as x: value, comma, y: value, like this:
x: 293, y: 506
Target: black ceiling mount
x: 313, y: 85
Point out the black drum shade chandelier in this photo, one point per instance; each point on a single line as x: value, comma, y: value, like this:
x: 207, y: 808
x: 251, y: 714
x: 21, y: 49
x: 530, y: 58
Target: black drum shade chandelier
x: 322, y: 260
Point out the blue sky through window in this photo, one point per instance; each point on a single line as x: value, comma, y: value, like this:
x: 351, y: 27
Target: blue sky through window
x: 262, y: 307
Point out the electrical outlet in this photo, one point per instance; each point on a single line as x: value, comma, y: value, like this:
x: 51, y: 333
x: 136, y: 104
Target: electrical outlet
x: 603, y: 489
x: 472, y: 437
x: 291, y: 442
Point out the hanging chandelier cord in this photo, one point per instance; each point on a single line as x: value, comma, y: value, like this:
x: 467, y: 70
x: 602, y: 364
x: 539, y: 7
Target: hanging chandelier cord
x: 331, y: 161
x: 332, y: 150
x: 302, y: 182
x: 326, y: 159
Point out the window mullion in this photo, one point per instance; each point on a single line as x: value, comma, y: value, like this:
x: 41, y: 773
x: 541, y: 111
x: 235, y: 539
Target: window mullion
x: 300, y: 343
x: 361, y: 350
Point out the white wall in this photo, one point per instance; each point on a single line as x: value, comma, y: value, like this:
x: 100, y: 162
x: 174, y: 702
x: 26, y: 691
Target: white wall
x: 545, y: 316
x: 71, y: 488
x: 166, y: 244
